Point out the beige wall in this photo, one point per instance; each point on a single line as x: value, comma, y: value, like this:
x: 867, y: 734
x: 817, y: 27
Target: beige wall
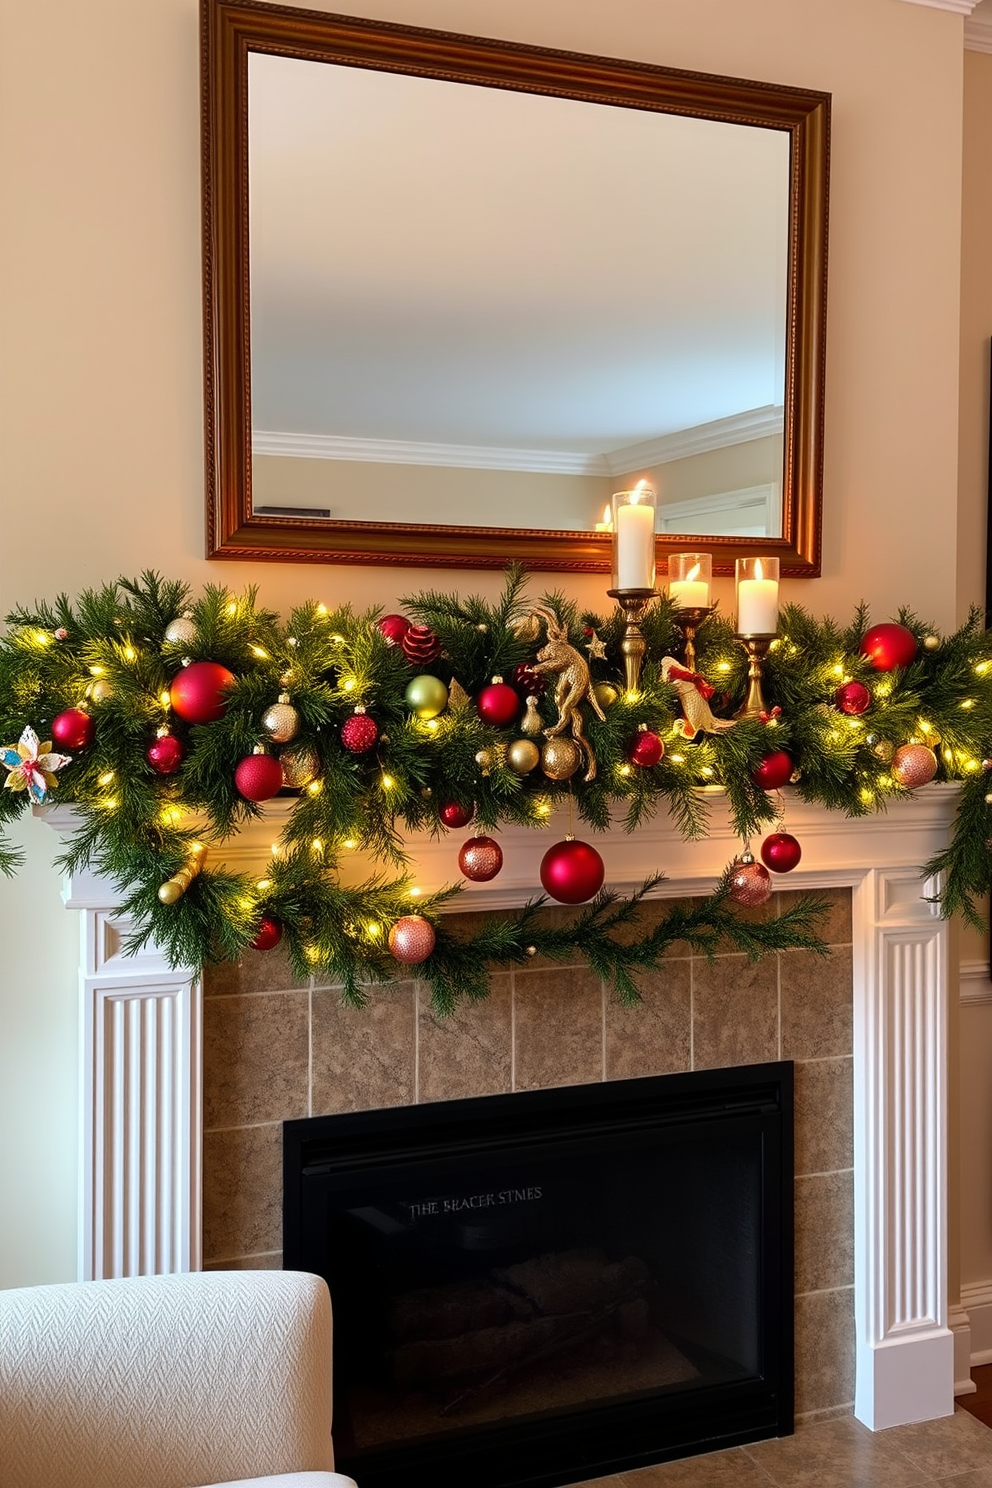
x: 100, y: 384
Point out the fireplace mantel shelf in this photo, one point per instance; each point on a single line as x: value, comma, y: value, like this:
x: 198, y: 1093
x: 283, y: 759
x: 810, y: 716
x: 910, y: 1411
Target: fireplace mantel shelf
x: 141, y: 1060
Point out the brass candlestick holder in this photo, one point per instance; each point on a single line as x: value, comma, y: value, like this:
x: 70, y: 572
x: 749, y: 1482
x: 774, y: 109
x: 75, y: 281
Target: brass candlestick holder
x: 688, y: 621
x: 756, y: 647
x: 634, y: 603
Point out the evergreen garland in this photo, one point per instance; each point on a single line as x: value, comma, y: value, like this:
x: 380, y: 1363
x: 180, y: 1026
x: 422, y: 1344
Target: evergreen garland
x: 107, y: 653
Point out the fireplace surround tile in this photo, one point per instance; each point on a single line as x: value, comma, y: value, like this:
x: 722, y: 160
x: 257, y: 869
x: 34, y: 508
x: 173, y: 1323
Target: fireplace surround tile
x: 242, y: 1191
x: 734, y: 1011
x: 558, y: 1028
x: 364, y: 1057
x: 255, y: 1058
x: 824, y: 1231
x: 655, y: 1037
x: 817, y: 1011
x: 824, y: 1115
x: 470, y: 1052
x: 824, y: 1349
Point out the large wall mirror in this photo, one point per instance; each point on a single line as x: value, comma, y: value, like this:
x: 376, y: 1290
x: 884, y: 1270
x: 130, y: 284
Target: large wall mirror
x: 459, y: 291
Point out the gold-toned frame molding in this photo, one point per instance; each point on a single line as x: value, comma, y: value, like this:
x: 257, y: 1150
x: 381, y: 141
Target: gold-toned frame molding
x: 231, y: 29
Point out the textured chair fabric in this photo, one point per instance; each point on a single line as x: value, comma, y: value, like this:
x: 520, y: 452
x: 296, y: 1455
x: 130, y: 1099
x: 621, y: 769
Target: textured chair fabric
x: 167, y: 1382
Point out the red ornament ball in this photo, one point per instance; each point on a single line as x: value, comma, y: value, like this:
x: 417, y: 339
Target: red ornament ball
x: 359, y: 733
x: 73, y: 729
x: 411, y: 940
x: 259, y: 777
x: 198, y: 692
x: 420, y: 644
x: 888, y: 646
x: 852, y: 698
x: 781, y: 852
x: 165, y: 754
x: 480, y: 859
x: 914, y: 765
x: 269, y: 934
x: 645, y: 749
x: 498, y: 705
x: 750, y: 883
x: 454, y: 814
x: 394, y: 628
x: 572, y: 871
x: 774, y: 771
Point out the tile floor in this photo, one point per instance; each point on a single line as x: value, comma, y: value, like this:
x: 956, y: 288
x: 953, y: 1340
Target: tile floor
x: 956, y: 1452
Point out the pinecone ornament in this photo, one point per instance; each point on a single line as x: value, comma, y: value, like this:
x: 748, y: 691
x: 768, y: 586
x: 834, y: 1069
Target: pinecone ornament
x: 420, y: 645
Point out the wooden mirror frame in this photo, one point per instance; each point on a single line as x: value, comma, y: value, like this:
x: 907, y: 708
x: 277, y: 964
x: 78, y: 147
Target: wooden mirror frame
x: 231, y: 29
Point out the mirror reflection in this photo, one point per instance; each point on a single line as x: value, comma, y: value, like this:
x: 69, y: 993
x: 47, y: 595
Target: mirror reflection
x: 491, y: 308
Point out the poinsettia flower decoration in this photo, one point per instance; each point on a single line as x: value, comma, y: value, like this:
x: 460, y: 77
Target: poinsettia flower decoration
x: 31, y: 766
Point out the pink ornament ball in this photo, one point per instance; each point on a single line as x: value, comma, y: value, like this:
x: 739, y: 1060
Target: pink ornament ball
x: 269, y: 934
x: 359, y: 733
x: 781, y: 852
x: 411, y: 940
x: 498, y: 704
x: 394, y: 628
x: 454, y: 814
x: 165, y: 754
x: 852, y: 698
x: 259, y: 777
x: 572, y: 872
x: 889, y: 646
x: 774, y: 771
x: 646, y: 749
x: 750, y: 883
x: 480, y: 859
x: 914, y: 765
x: 198, y: 692
x: 73, y: 729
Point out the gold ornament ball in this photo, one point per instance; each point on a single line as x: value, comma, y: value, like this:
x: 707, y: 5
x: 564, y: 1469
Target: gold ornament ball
x: 914, y: 765
x: 883, y: 750
x: 281, y: 722
x: 300, y: 765
x: 181, y: 631
x: 170, y: 892
x: 931, y: 642
x: 484, y: 759
x: 605, y: 694
x: 988, y: 800
x: 560, y: 758
x: 426, y: 696
x: 101, y: 690
x: 522, y: 756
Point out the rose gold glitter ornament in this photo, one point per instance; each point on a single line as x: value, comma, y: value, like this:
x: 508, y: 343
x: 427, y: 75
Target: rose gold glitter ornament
x: 750, y: 882
x: 411, y: 939
x: 480, y: 859
x: 281, y: 722
x: 914, y: 765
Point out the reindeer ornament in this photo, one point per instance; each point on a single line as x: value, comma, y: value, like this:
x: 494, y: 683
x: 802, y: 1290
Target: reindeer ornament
x: 573, y: 684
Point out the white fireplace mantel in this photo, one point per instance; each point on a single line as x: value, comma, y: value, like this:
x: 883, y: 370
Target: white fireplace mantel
x: 140, y: 1049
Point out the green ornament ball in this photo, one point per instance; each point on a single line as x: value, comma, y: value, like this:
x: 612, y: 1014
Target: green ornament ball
x: 426, y: 696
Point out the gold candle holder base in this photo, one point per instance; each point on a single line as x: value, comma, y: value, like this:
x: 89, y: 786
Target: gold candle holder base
x: 688, y: 621
x: 634, y: 603
x: 756, y: 647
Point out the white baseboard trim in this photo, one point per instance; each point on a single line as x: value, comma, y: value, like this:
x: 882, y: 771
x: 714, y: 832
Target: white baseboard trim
x: 959, y: 1323
x: 976, y: 1302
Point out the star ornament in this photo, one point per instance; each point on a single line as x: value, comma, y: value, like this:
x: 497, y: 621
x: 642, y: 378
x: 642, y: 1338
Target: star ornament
x: 595, y: 647
x: 31, y: 766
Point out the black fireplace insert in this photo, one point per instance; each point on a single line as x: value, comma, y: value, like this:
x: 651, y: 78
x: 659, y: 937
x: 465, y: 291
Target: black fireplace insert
x: 538, y: 1288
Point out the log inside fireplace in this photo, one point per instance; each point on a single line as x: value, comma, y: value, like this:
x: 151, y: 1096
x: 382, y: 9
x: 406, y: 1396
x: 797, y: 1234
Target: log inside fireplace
x: 535, y: 1288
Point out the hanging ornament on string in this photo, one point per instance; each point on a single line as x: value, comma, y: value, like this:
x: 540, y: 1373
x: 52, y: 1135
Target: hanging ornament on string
x: 572, y: 871
x: 199, y: 692
x: 359, y: 733
x: 300, y: 765
x: 781, y: 852
x: 412, y: 939
x: 175, y: 887
x: 454, y: 814
x: 259, y: 776
x: 269, y: 934
x: 73, y: 729
x: 281, y: 722
x: 166, y: 752
x: 420, y: 645
x: 532, y: 723
x: 646, y: 748
x: 426, y: 696
x: 182, y: 630
x: 774, y: 771
x: 888, y: 646
x: 480, y: 858
x: 750, y: 882
x: 498, y: 704
x: 852, y: 698
x: 394, y: 628
x: 31, y: 766
x: 914, y: 765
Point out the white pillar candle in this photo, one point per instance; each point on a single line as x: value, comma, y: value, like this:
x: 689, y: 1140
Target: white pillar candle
x: 757, y: 605
x: 690, y: 593
x: 635, y: 546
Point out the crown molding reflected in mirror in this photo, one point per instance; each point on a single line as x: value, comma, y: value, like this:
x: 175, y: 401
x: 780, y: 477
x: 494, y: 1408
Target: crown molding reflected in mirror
x: 231, y: 32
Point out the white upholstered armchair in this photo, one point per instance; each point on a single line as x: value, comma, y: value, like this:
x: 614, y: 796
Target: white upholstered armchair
x: 168, y: 1382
